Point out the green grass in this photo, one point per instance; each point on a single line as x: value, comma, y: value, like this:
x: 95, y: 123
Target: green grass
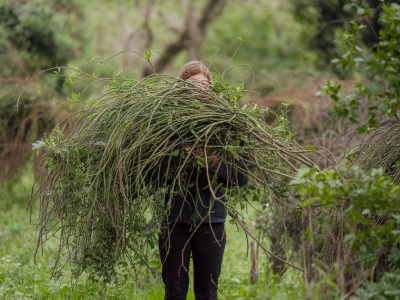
x: 20, y: 278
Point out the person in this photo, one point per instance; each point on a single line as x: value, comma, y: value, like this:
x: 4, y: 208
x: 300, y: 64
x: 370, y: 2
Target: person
x: 207, y: 244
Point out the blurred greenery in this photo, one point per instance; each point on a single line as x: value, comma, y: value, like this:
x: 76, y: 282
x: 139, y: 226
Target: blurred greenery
x: 289, y: 45
x: 322, y: 20
x: 38, y: 35
x: 369, y: 225
x: 380, y: 67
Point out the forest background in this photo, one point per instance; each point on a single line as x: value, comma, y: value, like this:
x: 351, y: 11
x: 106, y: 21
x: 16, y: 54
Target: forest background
x: 291, y: 47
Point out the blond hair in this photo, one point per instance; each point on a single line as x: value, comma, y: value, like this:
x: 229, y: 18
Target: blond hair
x: 193, y: 68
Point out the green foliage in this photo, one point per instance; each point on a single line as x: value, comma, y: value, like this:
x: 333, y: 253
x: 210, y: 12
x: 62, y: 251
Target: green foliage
x: 382, y: 93
x: 38, y: 33
x: 323, y: 20
x: 34, y: 35
x: 233, y: 93
x: 387, y: 287
x: 371, y: 221
x: 270, y: 38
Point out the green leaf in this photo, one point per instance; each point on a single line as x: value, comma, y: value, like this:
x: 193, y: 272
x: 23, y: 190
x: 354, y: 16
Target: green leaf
x: 256, y: 198
x: 149, y: 53
x: 93, y: 59
x: 383, y: 107
x: 373, y: 122
x: 354, y: 103
x: 55, y: 74
x: 360, y: 11
x: 364, y: 129
x: 334, y: 97
x: 285, y: 194
x: 309, y: 148
x: 118, y: 72
x: 362, y: 27
x: 176, y: 152
x: 59, y: 132
x: 369, y: 10
x: 65, y: 289
x: 288, y: 104
x: 74, y: 98
x: 352, y: 120
x: 386, y: 9
x: 390, y: 70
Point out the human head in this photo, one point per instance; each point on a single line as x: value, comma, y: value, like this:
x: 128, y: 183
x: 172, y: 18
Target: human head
x: 194, y: 68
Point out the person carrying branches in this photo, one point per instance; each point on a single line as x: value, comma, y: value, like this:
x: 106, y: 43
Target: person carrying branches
x: 152, y: 162
x: 190, y: 230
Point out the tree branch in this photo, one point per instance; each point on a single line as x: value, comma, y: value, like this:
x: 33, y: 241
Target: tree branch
x: 192, y: 35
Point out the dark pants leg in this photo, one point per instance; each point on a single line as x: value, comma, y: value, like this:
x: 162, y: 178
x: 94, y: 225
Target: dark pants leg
x: 174, y: 275
x: 207, y: 260
x: 208, y: 252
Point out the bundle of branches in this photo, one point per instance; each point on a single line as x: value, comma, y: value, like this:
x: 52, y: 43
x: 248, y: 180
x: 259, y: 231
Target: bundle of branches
x: 381, y: 150
x: 102, y: 188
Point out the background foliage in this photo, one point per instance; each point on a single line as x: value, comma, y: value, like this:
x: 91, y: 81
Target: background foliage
x: 346, y: 49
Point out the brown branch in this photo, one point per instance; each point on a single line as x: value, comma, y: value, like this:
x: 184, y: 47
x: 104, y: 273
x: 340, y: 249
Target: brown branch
x: 171, y: 50
x: 355, y: 288
x: 195, y: 29
x: 216, y: 285
x: 322, y: 28
x: 12, y: 80
x: 212, y: 10
x: 265, y: 249
x: 175, y: 27
x: 372, y: 28
x: 146, y: 11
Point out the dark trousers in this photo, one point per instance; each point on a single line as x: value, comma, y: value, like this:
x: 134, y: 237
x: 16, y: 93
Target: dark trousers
x: 207, y: 256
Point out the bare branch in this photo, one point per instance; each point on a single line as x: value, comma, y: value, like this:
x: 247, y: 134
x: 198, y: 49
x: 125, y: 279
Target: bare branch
x: 146, y: 11
x: 192, y: 36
